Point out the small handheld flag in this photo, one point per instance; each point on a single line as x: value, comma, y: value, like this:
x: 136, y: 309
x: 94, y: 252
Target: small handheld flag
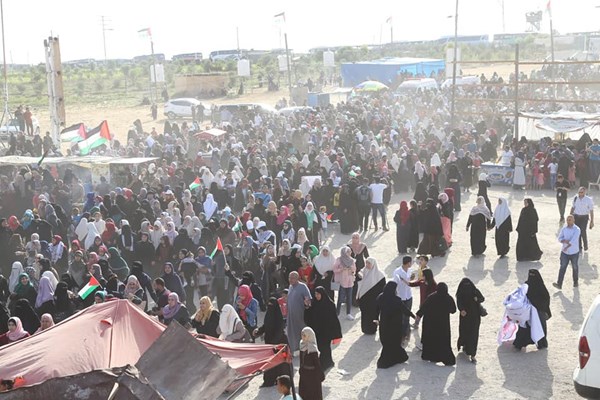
x: 218, y: 247
x: 89, y: 288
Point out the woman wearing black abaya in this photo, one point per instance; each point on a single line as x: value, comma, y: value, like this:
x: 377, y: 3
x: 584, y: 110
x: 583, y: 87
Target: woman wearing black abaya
x: 274, y: 330
x: 431, y: 226
x: 348, y: 214
x: 503, y: 223
x: 468, y: 300
x: 483, y: 185
x: 29, y: 318
x: 403, y: 227
x: 370, y: 286
x: 454, y: 178
x: 527, y: 244
x: 390, y: 310
x: 322, y: 318
x: 479, y: 220
x: 436, y: 326
x: 413, y: 235
x: 420, y: 192
x: 539, y: 298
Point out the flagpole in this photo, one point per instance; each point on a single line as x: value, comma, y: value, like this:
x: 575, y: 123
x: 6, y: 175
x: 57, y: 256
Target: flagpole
x: 552, y: 49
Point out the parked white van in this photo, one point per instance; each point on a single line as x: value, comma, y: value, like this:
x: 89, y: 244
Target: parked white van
x: 586, y: 376
x: 413, y: 85
x: 462, y: 81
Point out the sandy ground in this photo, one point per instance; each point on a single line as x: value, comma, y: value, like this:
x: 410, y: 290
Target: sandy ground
x: 502, y: 372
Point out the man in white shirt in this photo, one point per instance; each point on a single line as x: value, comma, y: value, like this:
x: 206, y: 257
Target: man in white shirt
x: 377, y: 189
x: 583, y: 211
x: 402, y: 277
x: 569, y: 237
x: 506, y: 156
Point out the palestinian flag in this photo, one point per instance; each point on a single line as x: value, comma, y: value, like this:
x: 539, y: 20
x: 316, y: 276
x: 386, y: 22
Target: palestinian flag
x: 96, y: 137
x: 74, y: 133
x: 219, y: 247
x: 196, y: 184
x: 89, y: 288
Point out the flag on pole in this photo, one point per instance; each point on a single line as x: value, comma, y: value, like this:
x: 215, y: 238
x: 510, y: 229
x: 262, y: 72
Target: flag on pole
x: 549, y: 7
x: 74, y: 133
x: 96, y: 137
x: 88, y: 289
x: 43, y: 156
x: 145, y: 33
x: 279, y: 18
x: 217, y: 248
x: 195, y: 184
x: 389, y: 20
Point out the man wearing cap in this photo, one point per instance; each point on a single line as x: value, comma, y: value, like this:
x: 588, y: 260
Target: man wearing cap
x: 583, y: 211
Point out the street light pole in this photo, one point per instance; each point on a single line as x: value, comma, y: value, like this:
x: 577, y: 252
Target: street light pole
x: 452, y: 106
x: 289, y: 67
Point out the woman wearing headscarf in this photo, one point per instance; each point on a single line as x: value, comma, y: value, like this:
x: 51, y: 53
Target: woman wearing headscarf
x: 483, y: 185
x: 118, y: 265
x: 527, y: 244
x: 402, y: 220
x: 503, y: 223
x: 15, y: 273
x: 468, y: 302
x: 436, y: 334
x: 311, y: 373
x: 288, y: 232
x: 538, y: 296
x: 420, y: 173
x: 210, y: 207
x: 173, y: 281
x: 323, y: 269
x: 246, y: 306
x: 454, y: 179
x: 44, y: 302
x: 24, y: 290
x: 370, y: 286
x: 347, y: 211
x: 91, y: 235
x: 274, y: 330
x: 446, y: 216
x: 231, y: 328
x: 431, y: 225
x: 390, y: 311
x: 15, y: 332
x: 322, y: 318
x: 311, y: 222
x: 413, y: 234
x: 63, y: 305
x: 46, y: 321
x: 206, y: 319
x: 344, y: 269
x: 420, y: 192
x: 29, y: 318
x: 134, y: 291
x: 224, y: 261
x: 175, y: 311
x: 126, y: 241
x: 479, y: 221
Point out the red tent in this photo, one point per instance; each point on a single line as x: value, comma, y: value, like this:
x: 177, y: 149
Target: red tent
x: 107, y: 335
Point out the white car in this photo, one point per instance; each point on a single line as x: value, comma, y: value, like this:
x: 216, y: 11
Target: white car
x: 12, y: 126
x: 586, y: 376
x: 287, y: 111
x: 181, y: 107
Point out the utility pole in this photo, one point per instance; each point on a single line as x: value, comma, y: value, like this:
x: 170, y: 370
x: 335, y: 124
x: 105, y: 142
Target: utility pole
x: 55, y: 87
x: 105, y: 21
x: 452, y: 106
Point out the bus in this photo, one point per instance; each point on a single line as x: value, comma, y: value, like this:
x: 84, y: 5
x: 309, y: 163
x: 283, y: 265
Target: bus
x: 225, y: 55
x: 158, y: 57
x: 188, y: 58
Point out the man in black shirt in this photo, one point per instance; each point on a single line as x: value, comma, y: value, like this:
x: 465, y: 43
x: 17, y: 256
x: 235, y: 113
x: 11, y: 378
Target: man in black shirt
x: 562, y: 187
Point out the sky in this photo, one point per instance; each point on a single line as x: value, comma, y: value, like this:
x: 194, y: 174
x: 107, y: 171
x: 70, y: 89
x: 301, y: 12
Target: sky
x: 186, y: 26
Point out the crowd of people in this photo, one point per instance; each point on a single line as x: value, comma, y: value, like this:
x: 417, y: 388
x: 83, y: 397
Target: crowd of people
x: 214, y: 243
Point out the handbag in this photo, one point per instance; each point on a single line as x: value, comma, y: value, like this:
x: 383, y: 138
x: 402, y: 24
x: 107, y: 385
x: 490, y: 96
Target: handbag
x: 482, y: 311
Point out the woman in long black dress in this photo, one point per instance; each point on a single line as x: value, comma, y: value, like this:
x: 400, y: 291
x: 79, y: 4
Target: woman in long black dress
x: 322, y: 318
x: 420, y: 192
x: 311, y: 373
x: 370, y: 286
x: 482, y: 189
x: 503, y: 223
x: 403, y: 227
x: 468, y: 299
x: 274, y: 330
x: 436, y: 336
x: 348, y: 213
x: 538, y: 296
x: 527, y: 244
x: 479, y: 220
x: 454, y: 179
x: 431, y: 226
x: 390, y: 311
x: 413, y: 236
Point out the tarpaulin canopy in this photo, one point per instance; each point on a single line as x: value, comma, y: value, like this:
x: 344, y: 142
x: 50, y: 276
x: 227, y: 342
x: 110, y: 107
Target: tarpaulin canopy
x: 210, y: 134
x: 566, y: 124
x: 107, y: 335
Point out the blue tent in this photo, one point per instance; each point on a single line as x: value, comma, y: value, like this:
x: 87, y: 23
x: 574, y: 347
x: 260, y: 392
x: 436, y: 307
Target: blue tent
x: 386, y: 70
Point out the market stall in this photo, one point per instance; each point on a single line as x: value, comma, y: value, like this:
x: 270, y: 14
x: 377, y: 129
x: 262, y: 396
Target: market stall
x: 559, y: 126
x: 498, y: 174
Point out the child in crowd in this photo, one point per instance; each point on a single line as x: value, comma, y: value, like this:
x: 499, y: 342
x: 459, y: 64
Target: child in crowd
x: 323, y: 231
x: 283, y: 303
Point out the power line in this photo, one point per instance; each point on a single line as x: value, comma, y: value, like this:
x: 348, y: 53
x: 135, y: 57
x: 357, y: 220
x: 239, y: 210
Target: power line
x: 105, y: 21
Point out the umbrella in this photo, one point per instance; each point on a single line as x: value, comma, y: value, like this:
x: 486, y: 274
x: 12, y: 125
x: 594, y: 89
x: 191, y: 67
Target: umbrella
x: 370, y: 86
x: 210, y: 133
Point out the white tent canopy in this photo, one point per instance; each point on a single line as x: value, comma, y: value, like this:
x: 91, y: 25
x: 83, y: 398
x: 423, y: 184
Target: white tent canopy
x: 559, y: 125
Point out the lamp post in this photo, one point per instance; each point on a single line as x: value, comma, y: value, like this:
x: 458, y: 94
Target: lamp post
x: 453, y: 99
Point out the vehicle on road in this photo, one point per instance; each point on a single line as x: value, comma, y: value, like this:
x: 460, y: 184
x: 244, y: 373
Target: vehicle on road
x: 181, y: 107
x: 12, y: 126
x: 586, y: 376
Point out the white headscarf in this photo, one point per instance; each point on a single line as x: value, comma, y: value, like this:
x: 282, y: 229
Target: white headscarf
x: 81, y: 230
x: 53, y: 281
x: 435, y: 160
x: 324, y: 263
x: 502, y: 212
x: 481, y: 208
x: 92, y: 232
x: 419, y: 169
x: 227, y: 321
x: 395, y: 162
x: 309, y: 342
x: 13, y: 280
x: 370, y: 278
x: 210, y: 206
x: 156, y: 233
x: 305, y: 161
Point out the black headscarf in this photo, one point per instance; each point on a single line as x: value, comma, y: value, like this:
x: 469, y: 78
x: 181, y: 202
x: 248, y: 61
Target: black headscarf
x: 62, y: 302
x: 387, y: 301
x: 537, y: 293
x: 322, y: 316
x: 28, y: 317
x: 274, y: 324
x: 528, y: 219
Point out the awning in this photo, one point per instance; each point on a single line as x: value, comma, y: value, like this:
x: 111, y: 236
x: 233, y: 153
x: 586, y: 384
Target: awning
x: 210, y: 134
